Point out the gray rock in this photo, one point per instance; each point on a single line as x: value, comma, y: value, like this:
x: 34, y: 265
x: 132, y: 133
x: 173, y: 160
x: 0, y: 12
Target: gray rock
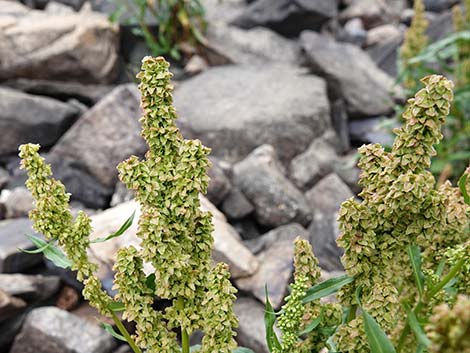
x: 353, y: 32
x: 440, y: 26
x: 251, y: 331
x: 9, y: 306
x: 439, y: 5
x: 104, y: 136
x: 26, y: 118
x: 339, y: 118
x: 234, y: 109
x: 373, y: 130
x: 121, y: 194
x: 29, y: 287
x: 371, y: 12
x: 257, y: 46
x: 87, y: 94
x: 52, y: 330
x: 222, y: 11
x: 12, y: 238
x: 325, y: 199
x: 383, y: 34
x: 248, y: 228
x: 385, y: 55
x: 236, y: 205
x: 288, y: 17
x: 18, y: 202
x: 219, y: 183
x: 81, y: 47
x: 4, y: 177
x: 58, y: 8
x: 351, y: 75
x: 276, y: 200
x: 276, y: 264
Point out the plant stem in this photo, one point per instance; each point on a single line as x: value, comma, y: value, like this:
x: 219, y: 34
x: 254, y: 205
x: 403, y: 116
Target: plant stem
x: 352, y: 313
x: 452, y: 273
x: 126, y: 334
x: 184, y: 332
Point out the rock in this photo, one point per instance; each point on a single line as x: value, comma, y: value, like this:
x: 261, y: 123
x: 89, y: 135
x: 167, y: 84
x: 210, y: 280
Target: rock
x: 70, y: 47
x: 248, y: 228
x: 440, y: 26
x: 313, y: 164
x: 121, y: 194
x: 219, y: 184
x: 10, y: 329
x: 276, y: 264
x: 196, y: 65
x: 272, y: 105
x: 373, y: 130
x: 9, y: 305
x: 257, y: 46
x: 276, y: 200
x: 12, y: 238
x: 439, y: 5
x: 236, y: 205
x: 382, y: 34
x: 26, y: 118
x: 371, y: 12
x: 350, y: 73
x: 18, y: 202
x: 339, y: 118
x: 29, y: 287
x: 251, y: 329
x: 217, y: 11
x: 69, y: 299
x: 325, y: 199
x: 87, y: 94
x: 113, y: 127
x: 287, y: 17
x: 4, y: 177
x: 58, y: 8
x: 51, y: 330
x: 353, y: 32
x: 385, y: 55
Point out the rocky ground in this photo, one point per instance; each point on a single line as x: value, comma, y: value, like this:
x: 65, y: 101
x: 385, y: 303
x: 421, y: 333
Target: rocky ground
x: 283, y: 93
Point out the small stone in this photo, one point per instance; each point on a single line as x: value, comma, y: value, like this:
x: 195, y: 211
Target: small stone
x: 18, y: 202
x: 9, y: 305
x: 371, y: 12
x: 121, y: 194
x: 219, y: 183
x: 68, y: 298
x: 196, y: 65
x: 52, y: 330
x: 354, y: 32
x: 381, y: 34
x: 373, y: 130
x: 29, y: 287
x: 236, y: 205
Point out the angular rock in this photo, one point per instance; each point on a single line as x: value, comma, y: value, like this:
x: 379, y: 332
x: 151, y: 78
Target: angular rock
x: 80, y: 47
x: 51, y: 330
x: 372, y: 12
x: 385, y: 55
x: 219, y: 184
x: 106, y: 135
x: 121, y: 194
x: 339, y: 118
x: 222, y: 11
x: 351, y: 74
x: 4, y: 177
x: 248, y: 228
x: 353, y: 32
x: 12, y: 238
x: 275, y: 199
x: 257, y: 46
x: 18, y: 202
x: 251, y: 329
x: 276, y: 264
x: 439, y: 5
x: 26, y: 118
x: 288, y: 17
x: 382, y: 34
x: 29, y: 287
x: 9, y: 305
x: 233, y: 109
x: 373, y: 130
x: 236, y: 205
x: 87, y: 94
x: 325, y: 199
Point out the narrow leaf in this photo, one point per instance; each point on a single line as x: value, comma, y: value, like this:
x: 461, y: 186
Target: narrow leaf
x: 269, y: 320
x: 313, y: 325
x: 326, y: 288
x: 415, y: 256
x: 125, y: 226
x: 116, y: 306
x: 51, y: 252
x: 378, y: 340
x: 416, y: 327
x: 108, y: 328
x: 463, y: 188
x: 36, y: 251
x: 150, y: 281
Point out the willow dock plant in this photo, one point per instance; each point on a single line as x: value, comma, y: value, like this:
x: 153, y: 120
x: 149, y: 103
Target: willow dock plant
x: 175, y: 235
x: 406, y: 254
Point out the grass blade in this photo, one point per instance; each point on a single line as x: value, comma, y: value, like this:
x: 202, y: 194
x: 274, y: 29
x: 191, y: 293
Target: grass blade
x: 313, y: 325
x: 463, y: 188
x: 125, y: 226
x: 415, y: 256
x: 378, y: 340
x: 51, y: 252
x: 108, y: 328
x: 269, y: 320
x: 416, y: 327
x: 326, y: 288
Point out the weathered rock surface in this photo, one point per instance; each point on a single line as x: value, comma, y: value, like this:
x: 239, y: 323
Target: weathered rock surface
x: 351, y: 74
x: 36, y: 44
x: 276, y: 200
x: 29, y: 287
x: 4, y: 177
x: 325, y: 199
x: 236, y: 205
x: 51, y: 330
x: 106, y: 135
x: 439, y: 5
x: 219, y: 184
x: 371, y: 12
x: 276, y: 264
x: 26, y: 118
x: 257, y: 46
x: 18, y: 202
x: 234, y: 109
x: 251, y: 331
x: 288, y: 17
x: 373, y: 130
x: 385, y: 55
x: 12, y: 238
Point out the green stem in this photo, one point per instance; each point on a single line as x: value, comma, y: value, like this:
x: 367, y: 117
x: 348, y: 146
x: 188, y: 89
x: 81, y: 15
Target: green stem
x: 452, y: 273
x: 352, y: 313
x: 406, y: 330
x: 184, y: 332
x: 126, y: 334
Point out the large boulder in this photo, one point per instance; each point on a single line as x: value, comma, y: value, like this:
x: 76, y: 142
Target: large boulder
x: 234, y: 109
x: 26, y: 118
x: 105, y: 135
x: 351, y: 74
x: 286, y: 16
x: 251, y: 330
x: 71, y: 47
x: 52, y: 330
x: 275, y: 199
x: 29, y: 287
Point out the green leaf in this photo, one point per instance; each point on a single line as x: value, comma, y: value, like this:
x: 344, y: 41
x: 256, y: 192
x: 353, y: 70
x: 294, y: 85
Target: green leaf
x: 378, y: 340
x: 326, y: 288
x: 108, y: 328
x: 269, y: 320
x: 195, y: 348
x: 416, y: 327
x: 51, y: 252
x: 126, y: 225
x: 38, y: 250
x: 150, y: 282
x: 116, y: 306
x: 463, y: 188
x: 313, y: 325
x: 415, y: 256
x: 242, y: 350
